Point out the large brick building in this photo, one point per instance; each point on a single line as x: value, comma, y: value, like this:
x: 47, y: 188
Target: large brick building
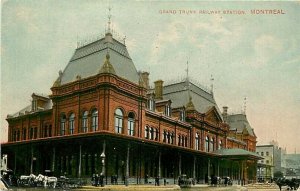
x: 102, y: 116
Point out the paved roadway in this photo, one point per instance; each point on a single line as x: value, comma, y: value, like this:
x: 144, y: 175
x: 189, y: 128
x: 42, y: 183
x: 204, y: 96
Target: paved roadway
x: 165, y: 188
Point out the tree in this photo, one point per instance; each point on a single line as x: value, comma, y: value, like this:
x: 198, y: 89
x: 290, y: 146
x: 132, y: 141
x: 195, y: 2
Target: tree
x: 278, y: 174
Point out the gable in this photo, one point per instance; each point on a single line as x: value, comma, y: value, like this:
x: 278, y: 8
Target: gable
x: 213, y: 116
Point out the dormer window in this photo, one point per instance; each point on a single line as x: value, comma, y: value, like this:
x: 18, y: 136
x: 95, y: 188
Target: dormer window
x: 220, y: 144
x: 168, y: 110
x: 182, y: 115
x: 34, y: 105
x: 151, y: 105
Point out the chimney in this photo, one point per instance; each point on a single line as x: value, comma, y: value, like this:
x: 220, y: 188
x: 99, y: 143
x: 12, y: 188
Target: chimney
x: 158, y: 89
x: 225, y: 110
x: 145, y: 77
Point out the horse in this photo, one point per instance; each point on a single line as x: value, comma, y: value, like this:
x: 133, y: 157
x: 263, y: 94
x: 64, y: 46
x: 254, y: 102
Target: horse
x: 26, y: 180
x: 293, y: 183
x: 52, y: 181
x: 41, y: 179
x: 47, y: 181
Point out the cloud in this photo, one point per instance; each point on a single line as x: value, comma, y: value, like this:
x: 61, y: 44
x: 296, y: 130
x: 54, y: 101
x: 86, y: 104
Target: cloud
x: 265, y: 48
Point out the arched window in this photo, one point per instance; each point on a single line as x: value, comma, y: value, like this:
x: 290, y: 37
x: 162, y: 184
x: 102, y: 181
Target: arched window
x: 131, y: 124
x: 72, y: 123
x: 179, y: 140
x: 85, y: 121
x: 31, y: 133
x: 157, y: 135
x: 165, y: 136
x: 151, y: 133
x: 172, y: 138
x: 169, y: 137
x: 35, y: 133
x: 182, y: 141
x: 18, y: 135
x: 197, y: 141
x: 212, y: 144
x: 50, y: 131
x: 146, y: 132
x: 15, y: 136
x: 185, y: 142
x: 24, y: 134
x: 118, y: 121
x: 154, y: 134
x: 206, y: 144
x: 94, y: 120
x: 220, y: 144
x: 63, y: 124
x: 46, y: 131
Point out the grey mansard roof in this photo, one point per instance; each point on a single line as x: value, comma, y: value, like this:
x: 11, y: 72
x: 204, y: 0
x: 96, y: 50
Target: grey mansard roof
x: 178, y: 93
x: 88, y: 60
x: 239, y: 123
x: 28, y: 109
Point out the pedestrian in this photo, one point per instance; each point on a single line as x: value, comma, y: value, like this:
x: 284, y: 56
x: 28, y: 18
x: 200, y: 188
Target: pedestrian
x: 146, y: 179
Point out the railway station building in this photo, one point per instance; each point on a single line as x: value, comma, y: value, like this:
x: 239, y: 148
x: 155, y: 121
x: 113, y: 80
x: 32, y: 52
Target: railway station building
x: 104, y: 116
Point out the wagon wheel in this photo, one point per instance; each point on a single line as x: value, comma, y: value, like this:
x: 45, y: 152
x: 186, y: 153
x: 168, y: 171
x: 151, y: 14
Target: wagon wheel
x: 19, y: 182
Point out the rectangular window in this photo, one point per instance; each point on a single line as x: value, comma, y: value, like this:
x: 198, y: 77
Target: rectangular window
x: 267, y: 153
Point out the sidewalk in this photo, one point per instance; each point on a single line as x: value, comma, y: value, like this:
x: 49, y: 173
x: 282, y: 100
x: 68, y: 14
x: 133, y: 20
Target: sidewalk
x: 196, y: 187
x: 131, y: 187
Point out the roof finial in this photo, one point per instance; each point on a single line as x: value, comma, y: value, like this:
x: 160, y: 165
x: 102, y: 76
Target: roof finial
x: 109, y: 19
x: 212, y: 84
x: 187, y: 77
x: 245, y: 104
x: 124, y: 39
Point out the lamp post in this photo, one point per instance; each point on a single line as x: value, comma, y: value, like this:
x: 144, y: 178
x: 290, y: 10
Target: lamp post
x: 102, y: 158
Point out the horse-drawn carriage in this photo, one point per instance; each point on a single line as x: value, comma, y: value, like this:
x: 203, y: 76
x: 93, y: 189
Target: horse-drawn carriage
x: 64, y: 182
x: 39, y: 180
x: 184, y: 181
x: 218, y: 181
x: 292, y: 184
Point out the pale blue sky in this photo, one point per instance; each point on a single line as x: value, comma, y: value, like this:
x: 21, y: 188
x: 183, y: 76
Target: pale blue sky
x: 256, y: 56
